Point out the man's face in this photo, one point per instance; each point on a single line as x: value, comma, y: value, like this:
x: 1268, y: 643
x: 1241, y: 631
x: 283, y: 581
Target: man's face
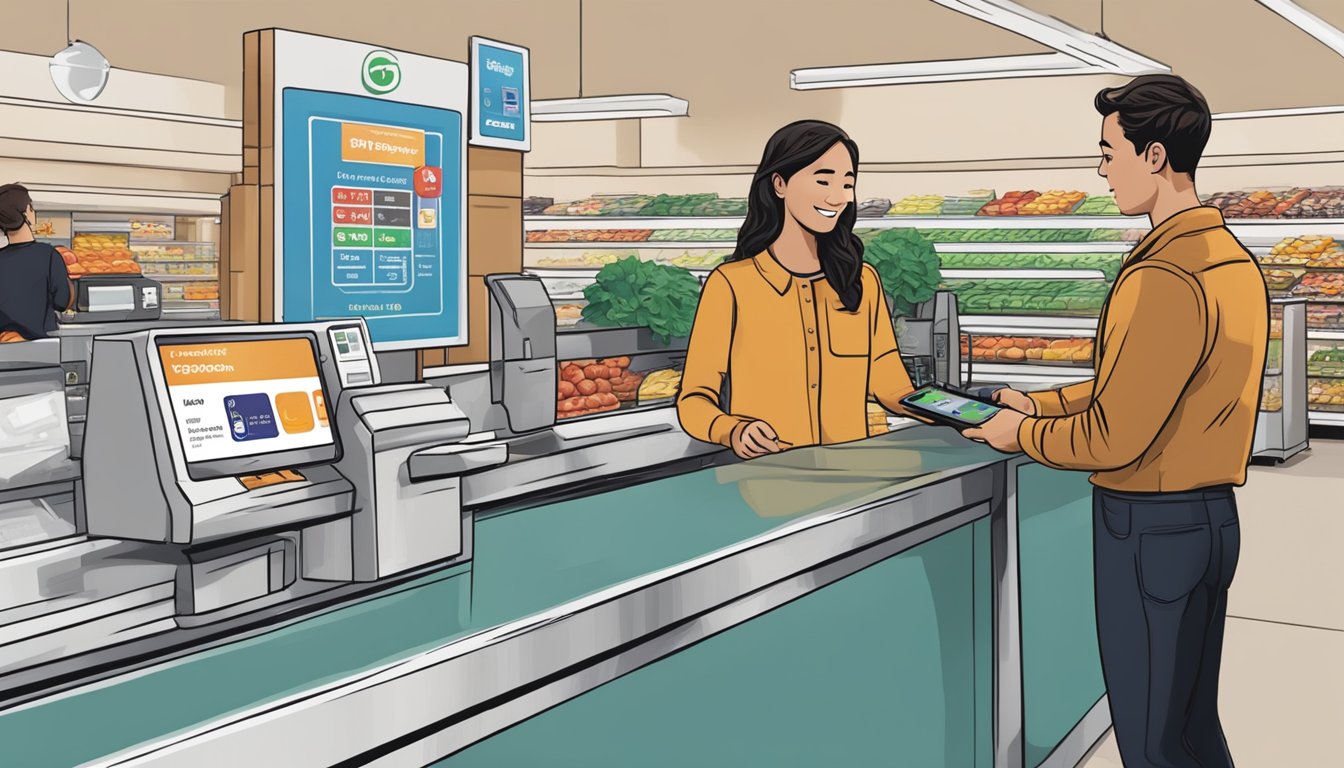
x: 1127, y: 169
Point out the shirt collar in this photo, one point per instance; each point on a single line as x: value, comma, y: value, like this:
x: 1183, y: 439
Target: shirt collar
x: 1187, y: 222
x: 774, y: 273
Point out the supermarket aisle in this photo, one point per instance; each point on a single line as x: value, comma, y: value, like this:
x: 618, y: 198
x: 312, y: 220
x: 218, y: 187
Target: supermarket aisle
x: 1282, y: 696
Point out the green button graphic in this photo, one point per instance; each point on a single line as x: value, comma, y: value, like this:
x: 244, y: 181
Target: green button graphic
x: 352, y: 237
x: 392, y: 238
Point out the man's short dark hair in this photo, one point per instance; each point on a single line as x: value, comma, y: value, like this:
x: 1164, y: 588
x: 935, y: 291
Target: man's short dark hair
x: 14, y: 202
x: 1165, y: 109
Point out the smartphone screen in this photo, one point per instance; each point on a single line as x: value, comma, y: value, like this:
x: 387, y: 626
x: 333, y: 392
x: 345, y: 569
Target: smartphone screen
x: 956, y: 407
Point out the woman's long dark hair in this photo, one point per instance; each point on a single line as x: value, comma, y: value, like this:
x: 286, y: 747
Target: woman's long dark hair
x: 791, y: 149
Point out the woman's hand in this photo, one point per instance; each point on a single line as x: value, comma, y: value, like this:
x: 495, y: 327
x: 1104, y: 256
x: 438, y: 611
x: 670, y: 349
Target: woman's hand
x: 755, y: 439
x: 1018, y: 401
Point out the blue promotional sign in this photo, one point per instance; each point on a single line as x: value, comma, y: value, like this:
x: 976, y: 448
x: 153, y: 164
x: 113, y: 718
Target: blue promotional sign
x: 500, y: 95
x: 372, y: 207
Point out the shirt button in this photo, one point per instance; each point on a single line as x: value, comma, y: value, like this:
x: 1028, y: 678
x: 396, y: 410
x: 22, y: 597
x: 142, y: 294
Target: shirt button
x: 807, y: 299
x: 809, y: 330
x: 814, y: 386
x: 812, y: 349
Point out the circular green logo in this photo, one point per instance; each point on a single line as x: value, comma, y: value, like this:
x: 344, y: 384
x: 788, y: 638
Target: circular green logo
x: 382, y: 73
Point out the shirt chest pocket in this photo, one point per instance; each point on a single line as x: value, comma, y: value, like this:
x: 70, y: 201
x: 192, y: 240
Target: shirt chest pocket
x: 847, y: 333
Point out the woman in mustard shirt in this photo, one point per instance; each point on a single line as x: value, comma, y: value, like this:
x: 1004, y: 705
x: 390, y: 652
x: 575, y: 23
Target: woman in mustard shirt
x: 794, y: 322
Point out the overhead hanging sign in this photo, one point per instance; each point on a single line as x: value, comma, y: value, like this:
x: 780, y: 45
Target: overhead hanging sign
x: 501, y: 93
x: 370, y: 199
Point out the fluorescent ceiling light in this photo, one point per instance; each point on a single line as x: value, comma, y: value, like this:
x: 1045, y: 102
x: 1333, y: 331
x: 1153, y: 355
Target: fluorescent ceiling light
x: 609, y: 108
x: 1308, y: 22
x: 1286, y: 112
x: 1076, y: 53
x: 1084, y: 46
x: 988, y: 68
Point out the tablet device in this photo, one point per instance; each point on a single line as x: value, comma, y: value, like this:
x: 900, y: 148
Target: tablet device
x: 949, y: 407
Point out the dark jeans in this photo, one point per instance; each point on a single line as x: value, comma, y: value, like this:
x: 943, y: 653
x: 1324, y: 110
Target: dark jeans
x: 1164, y: 562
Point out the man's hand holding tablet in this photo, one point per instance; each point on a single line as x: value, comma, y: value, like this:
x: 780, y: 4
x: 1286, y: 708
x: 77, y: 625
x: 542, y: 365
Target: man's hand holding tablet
x: 976, y: 419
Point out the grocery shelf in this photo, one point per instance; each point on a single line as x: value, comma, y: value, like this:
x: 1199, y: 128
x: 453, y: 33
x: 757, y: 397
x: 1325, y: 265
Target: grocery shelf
x: 1042, y: 325
x: 1098, y: 247
x: 1326, y: 418
x: 1032, y: 369
x: 587, y: 272
x: 531, y: 223
x: 180, y: 278
x: 639, y: 245
x: 1325, y: 335
x: 1023, y: 274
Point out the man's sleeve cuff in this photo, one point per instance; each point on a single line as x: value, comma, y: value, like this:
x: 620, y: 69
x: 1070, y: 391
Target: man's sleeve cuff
x: 1048, y: 402
x: 724, y: 426
x: 1028, y: 439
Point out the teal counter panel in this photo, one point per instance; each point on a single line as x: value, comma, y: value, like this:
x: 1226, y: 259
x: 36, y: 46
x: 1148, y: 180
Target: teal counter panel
x: 890, y: 666
x: 525, y: 562
x: 1061, y: 666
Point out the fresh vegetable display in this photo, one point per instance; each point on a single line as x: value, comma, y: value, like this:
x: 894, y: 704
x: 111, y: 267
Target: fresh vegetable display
x: 907, y: 265
x: 1019, y: 297
x: 1009, y: 205
x: 535, y: 206
x: 1281, y: 279
x: 1107, y: 263
x: 1018, y: 349
x: 1053, y: 203
x: 660, y: 385
x: 1326, y: 317
x: 918, y: 205
x: 1102, y: 205
x: 1326, y: 363
x: 1319, y: 251
x: 693, y: 235
x: 1325, y: 286
x: 586, y: 387
x: 1322, y: 203
x: 1325, y: 394
x: 1262, y: 204
x: 873, y: 209
x: 634, y: 293
x: 1030, y: 235
x: 1271, y: 399
x: 589, y: 235
x: 968, y: 204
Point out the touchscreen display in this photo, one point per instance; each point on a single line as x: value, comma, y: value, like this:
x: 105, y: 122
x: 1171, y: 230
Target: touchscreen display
x: 953, y: 406
x: 233, y: 399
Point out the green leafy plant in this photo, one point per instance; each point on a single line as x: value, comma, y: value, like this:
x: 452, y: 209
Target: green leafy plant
x: 908, y: 265
x: 634, y: 293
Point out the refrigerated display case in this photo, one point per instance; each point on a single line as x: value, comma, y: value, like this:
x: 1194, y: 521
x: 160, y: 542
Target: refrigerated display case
x: 156, y: 247
x: 1042, y: 275
x: 1281, y: 426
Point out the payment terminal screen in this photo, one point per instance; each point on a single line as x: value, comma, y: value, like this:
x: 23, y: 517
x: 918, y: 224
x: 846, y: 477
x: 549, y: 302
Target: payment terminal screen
x: 970, y: 411
x: 233, y: 399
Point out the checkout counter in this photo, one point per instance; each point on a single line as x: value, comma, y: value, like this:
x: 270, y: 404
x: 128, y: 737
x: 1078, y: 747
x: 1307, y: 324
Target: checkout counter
x: 318, y: 567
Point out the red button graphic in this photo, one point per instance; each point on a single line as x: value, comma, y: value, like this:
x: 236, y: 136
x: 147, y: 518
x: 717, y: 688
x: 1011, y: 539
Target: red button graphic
x: 346, y: 215
x: 428, y: 181
x: 348, y: 196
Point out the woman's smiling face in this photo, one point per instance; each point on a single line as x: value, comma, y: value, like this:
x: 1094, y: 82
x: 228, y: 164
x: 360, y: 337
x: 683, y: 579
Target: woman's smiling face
x: 817, y: 194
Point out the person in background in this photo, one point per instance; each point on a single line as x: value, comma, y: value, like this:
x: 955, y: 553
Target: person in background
x: 794, y: 322
x: 1166, y: 427
x: 34, y: 283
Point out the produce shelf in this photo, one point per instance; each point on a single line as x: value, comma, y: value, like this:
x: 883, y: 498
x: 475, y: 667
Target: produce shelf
x: 1088, y: 247
x: 1079, y: 372
x: 1027, y: 325
x: 1325, y: 418
x: 885, y: 222
x: 1023, y: 274
x: 639, y: 245
x: 1325, y: 335
x: 181, y: 278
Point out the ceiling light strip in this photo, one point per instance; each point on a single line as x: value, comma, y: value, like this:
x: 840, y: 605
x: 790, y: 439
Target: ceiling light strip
x: 1308, y: 22
x: 988, y: 68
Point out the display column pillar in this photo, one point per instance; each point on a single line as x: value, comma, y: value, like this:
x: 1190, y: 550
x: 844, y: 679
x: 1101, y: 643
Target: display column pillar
x: 248, y: 268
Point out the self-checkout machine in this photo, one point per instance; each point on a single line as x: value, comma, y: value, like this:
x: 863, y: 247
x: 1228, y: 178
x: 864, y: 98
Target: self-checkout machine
x: 361, y: 190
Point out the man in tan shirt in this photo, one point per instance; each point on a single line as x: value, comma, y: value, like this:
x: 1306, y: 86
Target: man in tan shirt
x: 1165, y: 427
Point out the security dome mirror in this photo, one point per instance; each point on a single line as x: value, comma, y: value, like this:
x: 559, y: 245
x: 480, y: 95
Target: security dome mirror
x: 79, y: 72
